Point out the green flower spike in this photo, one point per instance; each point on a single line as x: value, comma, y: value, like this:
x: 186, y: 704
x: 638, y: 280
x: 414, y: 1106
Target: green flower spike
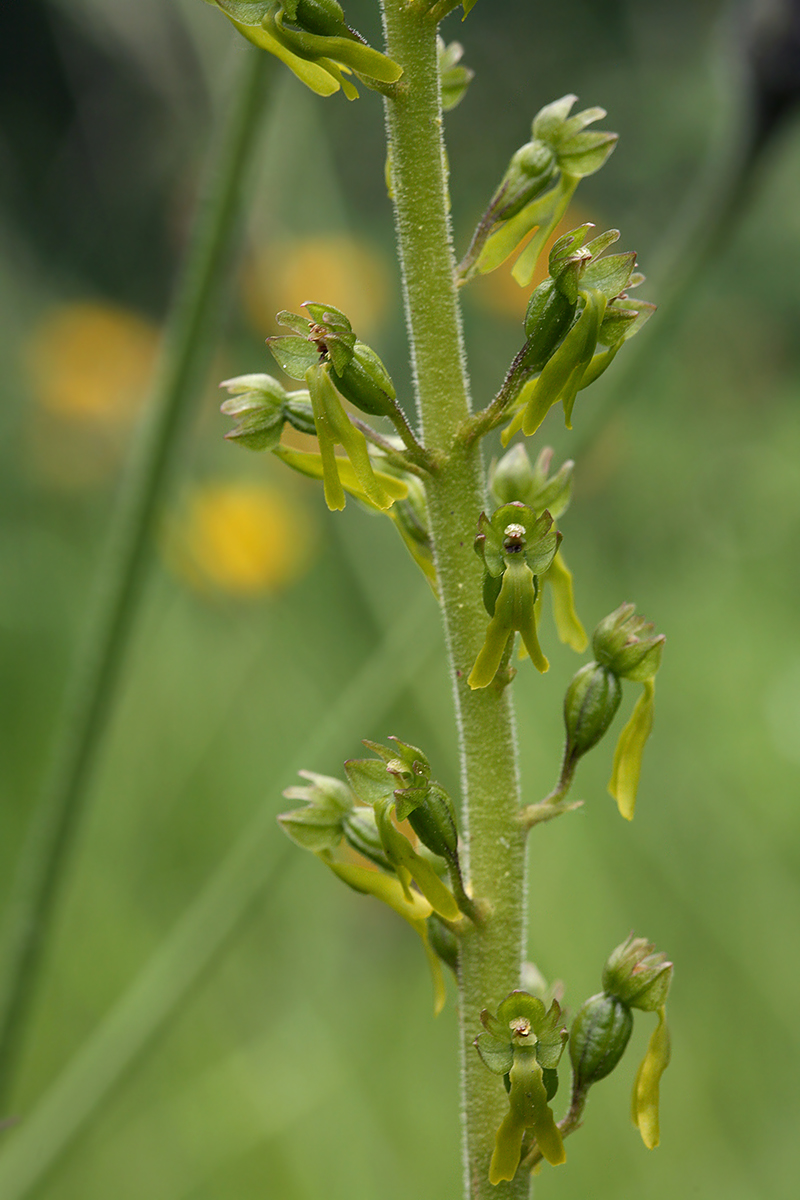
x: 517, y: 548
x: 524, y: 1043
x: 313, y: 40
x: 644, y: 1101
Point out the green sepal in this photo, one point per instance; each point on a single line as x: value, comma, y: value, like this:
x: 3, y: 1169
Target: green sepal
x: 294, y: 355
x: 327, y: 315
x: 454, y: 78
x: 300, y: 324
x: 495, y: 1054
x: 323, y: 790
x: 625, y: 642
x: 259, y: 403
x: 343, y: 51
x: 361, y: 833
x: 414, y: 909
x: 314, y: 75
x: 549, y: 121
x: 627, y: 765
x: 586, y: 153
x: 567, y: 622
x: 335, y: 427
x: 310, y: 464
x: 369, y: 779
x: 644, y: 1100
x: 514, y: 478
x: 610, y: 275
x: 467, y: 6
x: 314, y: 828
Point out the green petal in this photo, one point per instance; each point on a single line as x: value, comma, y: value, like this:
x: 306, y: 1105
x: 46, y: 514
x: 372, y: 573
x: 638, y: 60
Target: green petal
x: 568, y: 626
x: 307, y: 463
x: 314, y: 76
x: 491, y: 654
x: 525, y: 265
x: 644, y: 1101
x: 627, y: 766
x: 504, y: 240
x: 403, y: 856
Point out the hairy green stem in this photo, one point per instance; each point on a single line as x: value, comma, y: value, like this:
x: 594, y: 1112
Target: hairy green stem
x: 491, y: 952
x: 188, y: 344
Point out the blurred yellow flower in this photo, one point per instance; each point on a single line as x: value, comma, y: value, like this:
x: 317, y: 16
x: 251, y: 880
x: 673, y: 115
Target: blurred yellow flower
x: 89, y: 366
x: 337, y: 269
x: 247, y: 539
x: 92, y: 362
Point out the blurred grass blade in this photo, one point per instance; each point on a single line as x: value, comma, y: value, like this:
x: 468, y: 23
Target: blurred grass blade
x: 188, y: 345
x: 207, y: 925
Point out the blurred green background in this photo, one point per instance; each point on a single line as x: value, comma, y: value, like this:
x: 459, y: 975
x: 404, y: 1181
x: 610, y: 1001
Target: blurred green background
x: 305, y: 1061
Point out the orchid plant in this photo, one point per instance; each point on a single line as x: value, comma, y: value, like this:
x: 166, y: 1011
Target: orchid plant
x: 489, y: 546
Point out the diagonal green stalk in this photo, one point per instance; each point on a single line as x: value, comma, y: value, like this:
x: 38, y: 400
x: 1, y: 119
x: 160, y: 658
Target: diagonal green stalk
x: 209, y: 923
x: 491, y: 953
x: 188, y: 344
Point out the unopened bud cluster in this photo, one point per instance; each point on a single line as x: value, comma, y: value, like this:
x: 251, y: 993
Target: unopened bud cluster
x: 634, y: 977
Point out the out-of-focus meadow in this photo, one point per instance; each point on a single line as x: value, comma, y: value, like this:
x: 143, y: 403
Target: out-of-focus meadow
x: 305, y: 1061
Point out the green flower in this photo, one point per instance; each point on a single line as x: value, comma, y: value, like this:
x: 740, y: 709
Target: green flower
x: 517, y: 547
x: 524, y: 1042
x: 313, y: 40
x: 576, y: 322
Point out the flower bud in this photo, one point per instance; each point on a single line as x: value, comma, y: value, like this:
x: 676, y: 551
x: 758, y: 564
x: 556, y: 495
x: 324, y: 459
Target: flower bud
x: 365, y: 382
x: 434, y: 823
x: 624, y: 643
x: 532, y: 169
x: 547, y: 319
x: 600, y: 1032
x: 259, y: 403
x: 637, y: 976
x: 590, y: 705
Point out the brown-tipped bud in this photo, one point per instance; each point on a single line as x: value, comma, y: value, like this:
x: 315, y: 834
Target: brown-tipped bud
x: 637, y: 975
